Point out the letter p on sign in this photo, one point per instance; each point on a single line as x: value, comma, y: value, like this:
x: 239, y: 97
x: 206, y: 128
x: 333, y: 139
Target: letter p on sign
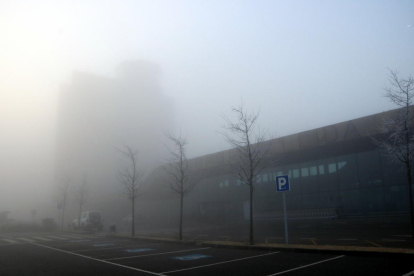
x: 282, y: 183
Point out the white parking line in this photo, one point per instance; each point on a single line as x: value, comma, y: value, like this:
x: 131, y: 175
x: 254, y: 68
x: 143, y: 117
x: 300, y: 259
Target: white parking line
x: 10, y: 241
x: 144, y: 245
x: 286, y: 271
x: 86, y: 242
x: 409, y: 273
x: 58, y: 238
x: 25, y: 239
x: 41, y: 238
x: 140, y: 256
x: 195, y: 267
x: 103, y: 261
x: 72, y: 237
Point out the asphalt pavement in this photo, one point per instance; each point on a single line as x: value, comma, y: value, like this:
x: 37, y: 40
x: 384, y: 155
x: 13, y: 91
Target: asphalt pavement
x: 95, y: 254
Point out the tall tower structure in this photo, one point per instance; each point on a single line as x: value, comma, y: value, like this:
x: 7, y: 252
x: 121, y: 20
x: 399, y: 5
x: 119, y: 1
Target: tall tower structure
x: 98, y: 115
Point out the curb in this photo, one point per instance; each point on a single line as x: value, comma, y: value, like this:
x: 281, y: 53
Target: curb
x: 293, y: 249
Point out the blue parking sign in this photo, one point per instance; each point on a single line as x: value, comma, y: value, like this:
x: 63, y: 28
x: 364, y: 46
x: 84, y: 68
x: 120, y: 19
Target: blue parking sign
x: 282, y: 183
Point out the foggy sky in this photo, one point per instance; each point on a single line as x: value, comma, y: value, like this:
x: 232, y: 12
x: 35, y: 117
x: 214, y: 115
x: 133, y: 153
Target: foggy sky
x: 305, y: 64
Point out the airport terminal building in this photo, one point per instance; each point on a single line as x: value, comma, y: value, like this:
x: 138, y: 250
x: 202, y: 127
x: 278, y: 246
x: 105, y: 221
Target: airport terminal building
x: 337, y: 168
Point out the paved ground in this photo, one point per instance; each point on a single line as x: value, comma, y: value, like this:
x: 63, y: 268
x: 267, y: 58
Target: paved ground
x: 93, y: 254
x: 367, y: 233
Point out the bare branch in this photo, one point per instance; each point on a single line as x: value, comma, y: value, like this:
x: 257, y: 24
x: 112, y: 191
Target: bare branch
x: 250, y: 147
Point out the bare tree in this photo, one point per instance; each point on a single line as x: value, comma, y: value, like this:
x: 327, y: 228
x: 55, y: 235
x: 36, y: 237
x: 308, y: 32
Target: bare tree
x: 251, y: 151
x: 177, y: 168
x: 63, y: 190
x: 398, y: 141
x: 81, y: 197
x: 131, y: 179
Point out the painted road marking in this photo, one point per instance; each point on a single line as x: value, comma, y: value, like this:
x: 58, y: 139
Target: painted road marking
x: 85, y: 250
x: 409, y: 273
x: 10, y: 241
x: 313, y: 241
x: 72, y: 237
x: 76, y: 241
x: 136, y: 250
x: 58, y: 238
x: 103, y: 244
x: 191, y: 257
x: 286, y: 271
x: 41, y: 238
x: 140, y: 256
x: 25, y: 239
x: 236, y: 260
x: 89, y: 242
x: 98, y: 260
x: 373, y: 243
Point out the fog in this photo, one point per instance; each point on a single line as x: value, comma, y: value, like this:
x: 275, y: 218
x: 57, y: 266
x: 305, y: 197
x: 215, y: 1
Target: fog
x: 303, y: 64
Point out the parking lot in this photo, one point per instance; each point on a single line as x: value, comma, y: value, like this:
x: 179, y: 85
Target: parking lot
x: 99, y: 255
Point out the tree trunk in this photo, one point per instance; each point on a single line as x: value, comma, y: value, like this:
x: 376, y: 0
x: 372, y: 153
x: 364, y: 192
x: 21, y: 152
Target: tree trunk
x: 180, y: 235
x: 410, y: 196
x: 133, y: 218
x: 63, y: 215
x: 251, y: 236
x: 80, y: 212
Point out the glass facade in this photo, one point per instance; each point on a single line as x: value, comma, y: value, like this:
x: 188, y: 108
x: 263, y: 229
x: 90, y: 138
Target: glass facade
x: 360, y: 183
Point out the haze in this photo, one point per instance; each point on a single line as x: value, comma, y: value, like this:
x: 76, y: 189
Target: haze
x: 304, y: 64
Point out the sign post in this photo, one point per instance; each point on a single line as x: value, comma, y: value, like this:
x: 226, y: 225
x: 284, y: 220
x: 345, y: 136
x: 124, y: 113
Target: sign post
x: 283, y: 185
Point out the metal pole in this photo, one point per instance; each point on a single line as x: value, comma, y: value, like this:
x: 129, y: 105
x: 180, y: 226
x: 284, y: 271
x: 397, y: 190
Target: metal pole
x: 286, y: 222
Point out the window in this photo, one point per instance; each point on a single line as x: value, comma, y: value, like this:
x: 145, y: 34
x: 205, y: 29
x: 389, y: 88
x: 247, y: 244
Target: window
x: 295, y: 173
x: 321, y: 169
x: 294, y: 177
x: 327, y: 177
x: 305, y: 172
x: 313, y: 171
x: 341, y: 165
x: 309, y: 180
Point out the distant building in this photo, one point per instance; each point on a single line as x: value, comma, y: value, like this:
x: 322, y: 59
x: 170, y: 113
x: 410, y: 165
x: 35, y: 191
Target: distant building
x: 3, y: 216
x: 98, y: 115
x: 334, y: 170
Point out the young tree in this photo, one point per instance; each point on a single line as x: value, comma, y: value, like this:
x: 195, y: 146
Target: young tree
x: 251, y: 151
x: 398, y: 141
x: 81, y: 197
x: 131, y: 179
x: 177, y: 168
x: 63, y: 189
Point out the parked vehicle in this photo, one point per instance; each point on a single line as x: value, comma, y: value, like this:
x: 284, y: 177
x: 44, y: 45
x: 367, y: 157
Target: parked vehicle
x: 89, y: 221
